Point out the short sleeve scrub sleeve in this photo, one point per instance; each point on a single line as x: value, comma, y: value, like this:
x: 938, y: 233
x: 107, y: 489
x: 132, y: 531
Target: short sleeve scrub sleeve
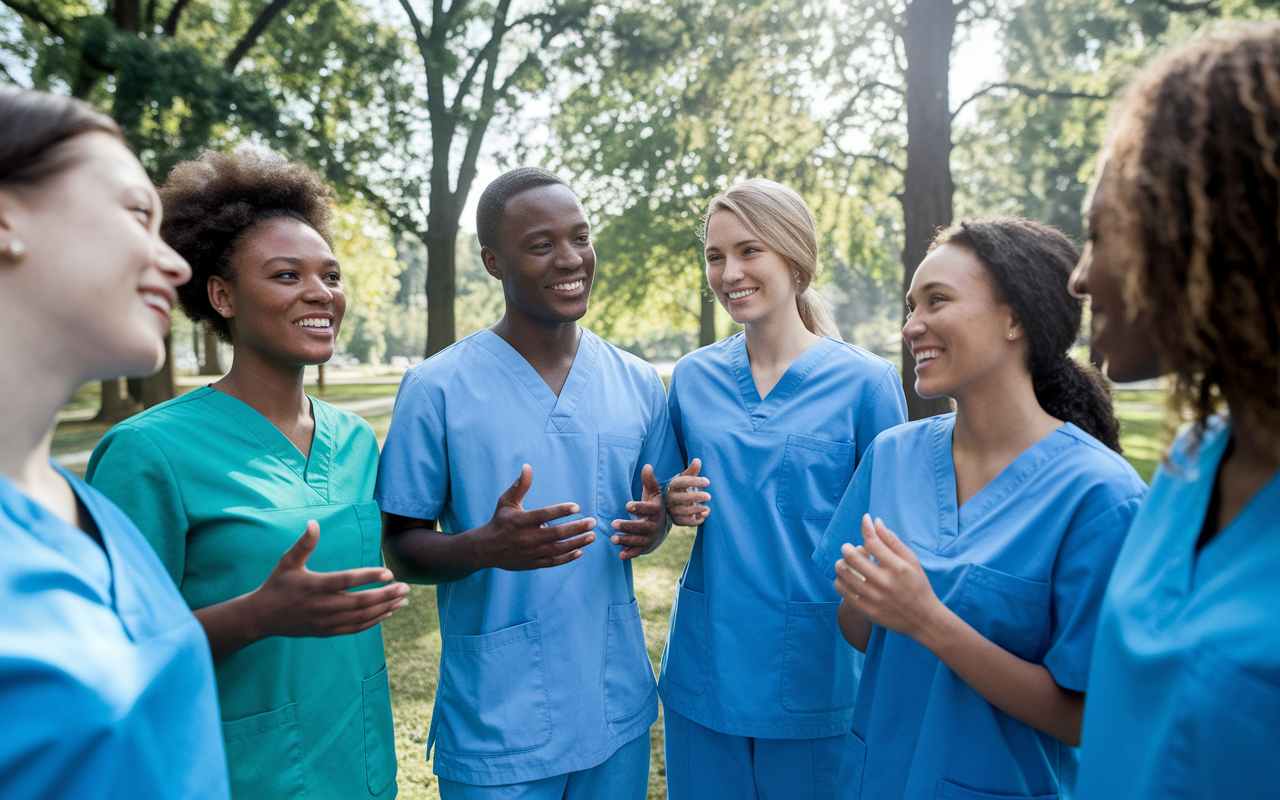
x: 1025, y: 562
x: 106, y: 685
x: 221, y: 493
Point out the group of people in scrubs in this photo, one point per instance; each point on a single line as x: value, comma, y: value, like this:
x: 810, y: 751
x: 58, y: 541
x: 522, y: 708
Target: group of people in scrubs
x: 984, y: 604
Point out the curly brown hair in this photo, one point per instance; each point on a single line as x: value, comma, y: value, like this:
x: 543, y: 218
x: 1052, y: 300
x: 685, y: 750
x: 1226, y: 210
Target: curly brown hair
x: 210, y: 203
x: 1193, y: 173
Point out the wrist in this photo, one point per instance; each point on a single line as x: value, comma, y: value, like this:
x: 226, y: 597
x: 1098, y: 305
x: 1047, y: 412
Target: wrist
x: 936, y: 627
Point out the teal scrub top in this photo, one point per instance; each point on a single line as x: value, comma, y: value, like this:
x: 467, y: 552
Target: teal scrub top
x: 543, y: 672
x: 1184, y: 696
x: 221, y: 493
x: 1024, y: 561
x: 754, y: 648
x: 106, y: 685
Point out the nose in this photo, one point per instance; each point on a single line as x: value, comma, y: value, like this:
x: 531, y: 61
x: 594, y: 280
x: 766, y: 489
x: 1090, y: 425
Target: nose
x: 568, y: 258
x: 174, y: 267
x: 912, y: 328
x: 314, y: 290
x: 732, y: 270
x: 1078, y: 283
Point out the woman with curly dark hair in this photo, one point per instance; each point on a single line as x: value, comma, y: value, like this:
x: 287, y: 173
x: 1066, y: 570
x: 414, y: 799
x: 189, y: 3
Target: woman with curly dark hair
x: 1183, y: 268
x: 223, y: 479
x: 106, y: 686
x: 977, y: 619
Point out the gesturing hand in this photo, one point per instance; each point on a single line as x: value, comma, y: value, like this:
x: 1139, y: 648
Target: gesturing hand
x: 684, y: 501
x: 294, y: 601
x: 644, y: 533
x: 894, y: 593
x: 515, y: 539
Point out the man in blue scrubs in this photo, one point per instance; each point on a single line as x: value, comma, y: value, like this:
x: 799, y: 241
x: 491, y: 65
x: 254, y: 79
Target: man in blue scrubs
x: 546, y: 689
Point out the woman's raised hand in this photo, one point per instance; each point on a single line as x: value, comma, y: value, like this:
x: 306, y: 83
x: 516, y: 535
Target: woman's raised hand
x: 685, y: 500
x: 892, y: 590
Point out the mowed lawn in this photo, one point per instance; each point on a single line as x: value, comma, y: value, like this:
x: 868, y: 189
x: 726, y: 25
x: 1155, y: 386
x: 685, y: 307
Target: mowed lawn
x: 412, y: 636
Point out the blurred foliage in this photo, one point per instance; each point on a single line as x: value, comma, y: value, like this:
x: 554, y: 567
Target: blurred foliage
x: 362, y: 244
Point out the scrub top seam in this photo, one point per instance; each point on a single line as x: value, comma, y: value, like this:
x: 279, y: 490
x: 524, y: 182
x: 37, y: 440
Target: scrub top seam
x: 270, y: 447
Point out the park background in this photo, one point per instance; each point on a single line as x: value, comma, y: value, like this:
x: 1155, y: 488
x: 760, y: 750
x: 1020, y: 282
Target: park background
x: 891, y: 117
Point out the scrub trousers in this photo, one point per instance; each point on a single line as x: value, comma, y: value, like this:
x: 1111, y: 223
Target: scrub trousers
x: 623, y: 776
x: 703, y: 764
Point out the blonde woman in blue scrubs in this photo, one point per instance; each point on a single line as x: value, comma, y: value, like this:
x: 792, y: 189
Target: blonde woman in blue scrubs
x: 757, y: 686
x: 106, y: 685
x: 224, y: 479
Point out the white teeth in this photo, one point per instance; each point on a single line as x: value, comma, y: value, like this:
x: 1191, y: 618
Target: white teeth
x: 740, y: 293
x: 931, y: 352
x: 157, y: 301
x: 568, y: 287
x: 313, y: 322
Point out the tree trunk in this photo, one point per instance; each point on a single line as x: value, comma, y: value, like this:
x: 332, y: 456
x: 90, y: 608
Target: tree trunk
x: 117, y: 403
x: 212, y: 364
x: 927, y: 187
x: 442, y: 244
x: 156, y: 389
x: 707, y: 328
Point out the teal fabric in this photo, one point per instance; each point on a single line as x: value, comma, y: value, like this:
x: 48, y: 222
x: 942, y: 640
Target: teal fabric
x: 221, y: 493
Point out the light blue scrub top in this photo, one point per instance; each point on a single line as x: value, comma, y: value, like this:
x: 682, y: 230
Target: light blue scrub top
x: 106, y: 684
x: 754, y: 648
x: 543, y: 672
x: 1184, y: 696
x: 1025, y: 562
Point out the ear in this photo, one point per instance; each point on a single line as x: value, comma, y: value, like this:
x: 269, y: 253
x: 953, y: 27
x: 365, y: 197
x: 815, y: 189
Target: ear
x: 491, y: 262
x: 1015, y: 331
x: 221, y: 297
x: 8, y: 236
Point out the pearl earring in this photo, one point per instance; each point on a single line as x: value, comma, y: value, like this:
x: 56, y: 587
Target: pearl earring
x: 1010, y: 334
x: 17, y: 248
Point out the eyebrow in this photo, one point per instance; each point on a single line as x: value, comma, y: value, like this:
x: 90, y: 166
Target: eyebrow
x: 542, y: 232
x: 742, y: 243
x: 929, y: 286
x: 297, y: 262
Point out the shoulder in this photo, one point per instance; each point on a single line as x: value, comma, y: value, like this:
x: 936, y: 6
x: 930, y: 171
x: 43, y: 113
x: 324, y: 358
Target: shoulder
x: 455, y: 358
x: 1100, y: 463
x: 178, y: 411
x: 865, y: 362
x: 620, y: 361
x: 713, y: 358
x: 916, y: 434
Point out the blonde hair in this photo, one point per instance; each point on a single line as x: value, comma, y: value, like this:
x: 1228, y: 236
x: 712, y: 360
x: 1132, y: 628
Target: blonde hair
x: 783, y: 221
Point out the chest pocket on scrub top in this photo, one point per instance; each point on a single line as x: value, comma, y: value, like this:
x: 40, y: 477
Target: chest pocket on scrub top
x: 616, y: 467
x: 1011, y: 611
x: 815, y: 473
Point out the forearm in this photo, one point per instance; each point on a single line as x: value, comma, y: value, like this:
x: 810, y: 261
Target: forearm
x: 855, y: 628
x: 1023, y: 690
x: 426, y: 555
x: 231, y: 625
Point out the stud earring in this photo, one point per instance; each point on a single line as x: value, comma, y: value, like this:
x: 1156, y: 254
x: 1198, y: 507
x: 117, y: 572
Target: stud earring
x: 795, y: 273
x: 1010, y: 334
x: 17, y: 248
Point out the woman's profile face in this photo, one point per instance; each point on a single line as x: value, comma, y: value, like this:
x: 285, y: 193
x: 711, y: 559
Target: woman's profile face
x: 749, y: 278
x: 96, y: 273
x: 1129, y: 349
x: 285, y: 301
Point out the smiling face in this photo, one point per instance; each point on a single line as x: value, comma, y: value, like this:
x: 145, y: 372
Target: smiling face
x: 285, y: 304
x: 957, y: 330
x: 96, y: 274
x: 752, y: 281
x: 1129, y: 349
x: 544, y: 257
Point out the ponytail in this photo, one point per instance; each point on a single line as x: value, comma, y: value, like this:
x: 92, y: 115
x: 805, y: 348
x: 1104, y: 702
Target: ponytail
x: 1078, y: 394
x: 816, y: 315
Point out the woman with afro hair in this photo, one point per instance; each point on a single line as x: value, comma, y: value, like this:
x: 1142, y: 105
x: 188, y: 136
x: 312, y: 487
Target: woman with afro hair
x: 223, y: 480
x: 1183, y: 271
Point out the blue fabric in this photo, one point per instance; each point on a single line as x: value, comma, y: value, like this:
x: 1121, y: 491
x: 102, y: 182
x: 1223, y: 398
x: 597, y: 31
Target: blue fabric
x: 106, y: 683
x: 1025, y: 562
x: 754, y: 649
x: 1184, y: 696
x: 703, y: 764
x: 624, y: 776
x: 543, y: 672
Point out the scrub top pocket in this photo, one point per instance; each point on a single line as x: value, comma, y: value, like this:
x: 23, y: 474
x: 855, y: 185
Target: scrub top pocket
x: 815, y: 473
x: 628, y: 675
x: 954, y: 791
x: 264, y: 755
x: 852, y: 765
x: 1013, y: 612
x: 379, y: 733
x: 686, y: 658
x: 813, y: 652
x: 616, y: 470
x: 492, y: 697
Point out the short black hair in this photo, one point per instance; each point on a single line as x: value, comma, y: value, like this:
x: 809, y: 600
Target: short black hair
x: 211, y: 202
x: 493, y: 201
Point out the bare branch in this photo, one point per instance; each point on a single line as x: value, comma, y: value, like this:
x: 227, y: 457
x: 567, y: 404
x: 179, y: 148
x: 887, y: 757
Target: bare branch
x: 255, y: 30
x: 33, y: 13
x: 1032, y: 91
x: 419, y: 35
x: 863, y: 89
x: 1208, y: 6
x: 876, y: 157
x: 175, y: 13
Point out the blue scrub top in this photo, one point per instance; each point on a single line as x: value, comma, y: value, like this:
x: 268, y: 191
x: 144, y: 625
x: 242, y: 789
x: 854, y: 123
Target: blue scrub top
x: 754, y: 648
x: 1184, y: 697
x: 1025, y: 562
x: 106, y: 683
x: 543, y: 672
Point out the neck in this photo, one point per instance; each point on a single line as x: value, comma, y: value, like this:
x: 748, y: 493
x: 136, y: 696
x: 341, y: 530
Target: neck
x: 272, y: 389
x: 1002, y: 416
x: 778, y: 339
x: 541, y: 342
x: 1252, y: 462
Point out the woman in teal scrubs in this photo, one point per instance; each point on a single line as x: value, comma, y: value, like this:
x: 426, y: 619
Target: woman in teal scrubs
x: 756, y: 684
x: 1183, y: 270
x: 978, y: 616
x: 222, y: 481
x: 106, y: 684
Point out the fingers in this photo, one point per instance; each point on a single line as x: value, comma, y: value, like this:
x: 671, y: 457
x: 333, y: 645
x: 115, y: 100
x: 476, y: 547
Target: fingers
x: 567, y: 530
x: 894, y: 542
x: 634, y: 527
x: 649, y: 482
x: 876, y: 546
x: 678, y: 498
x: 539, y: 516
x: 298, y: 553
x: 643, y: 509
x: 514, y: 496
x: 691, y: 517
x: 694, y: 467
x: 341, y: 581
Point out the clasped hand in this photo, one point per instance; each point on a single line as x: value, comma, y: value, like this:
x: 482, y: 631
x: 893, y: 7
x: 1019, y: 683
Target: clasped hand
x: 686, y: 502
x: 883, y: 581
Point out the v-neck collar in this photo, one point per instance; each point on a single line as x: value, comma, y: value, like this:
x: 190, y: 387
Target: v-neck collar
x: 955, y: 518
x: 760, y: 410
x: 313, y: 470
x: 559, y: 409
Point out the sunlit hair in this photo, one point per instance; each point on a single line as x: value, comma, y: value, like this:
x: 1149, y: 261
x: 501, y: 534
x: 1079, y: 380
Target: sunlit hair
x: 1192, y: 177
x: 210, y: 203
x: 783, y: 221
x: 1029, y: 264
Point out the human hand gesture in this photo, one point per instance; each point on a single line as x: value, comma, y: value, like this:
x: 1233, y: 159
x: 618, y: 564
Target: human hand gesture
x: 643, y: 534
x: 516, y: 539
x: 892, y: 591
x: 294, y: 601
x: 684, y: 500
